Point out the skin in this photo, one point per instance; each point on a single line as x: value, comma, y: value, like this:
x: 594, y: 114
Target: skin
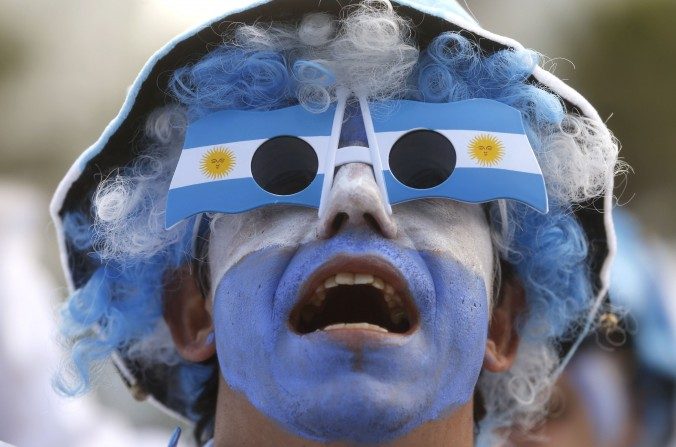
x: 406, y: 390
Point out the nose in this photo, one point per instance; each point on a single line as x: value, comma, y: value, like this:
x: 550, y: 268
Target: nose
x: 355, y: 201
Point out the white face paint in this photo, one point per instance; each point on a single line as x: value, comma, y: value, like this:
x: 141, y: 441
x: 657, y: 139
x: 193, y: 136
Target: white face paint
x: 447, y: 226
x: 266, y: 266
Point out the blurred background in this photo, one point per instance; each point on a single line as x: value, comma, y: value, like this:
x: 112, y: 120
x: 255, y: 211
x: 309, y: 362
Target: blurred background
x: 64, y: 70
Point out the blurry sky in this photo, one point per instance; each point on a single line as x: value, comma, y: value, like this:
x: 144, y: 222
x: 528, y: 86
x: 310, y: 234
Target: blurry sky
x: 65, y: 66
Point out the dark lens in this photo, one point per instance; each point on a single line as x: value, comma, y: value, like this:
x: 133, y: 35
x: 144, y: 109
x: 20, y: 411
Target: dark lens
x: 284, y: 165
x: 422, y: 159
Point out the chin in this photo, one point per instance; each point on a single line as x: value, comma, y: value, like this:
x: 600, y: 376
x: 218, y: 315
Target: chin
x: 353, y: 339
x: 360, y: 409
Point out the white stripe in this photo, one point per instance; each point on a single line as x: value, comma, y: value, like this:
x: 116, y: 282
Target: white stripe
x: 353, y: 154
x: 330, y: 159
x: 376, y: 156
x: 189, y: 172
x: 517, y: 152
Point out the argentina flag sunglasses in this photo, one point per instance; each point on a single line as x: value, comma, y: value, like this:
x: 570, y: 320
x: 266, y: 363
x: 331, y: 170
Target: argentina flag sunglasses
x: 471, y: 151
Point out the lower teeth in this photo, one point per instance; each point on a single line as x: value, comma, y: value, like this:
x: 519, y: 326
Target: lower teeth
x: 368, y: 326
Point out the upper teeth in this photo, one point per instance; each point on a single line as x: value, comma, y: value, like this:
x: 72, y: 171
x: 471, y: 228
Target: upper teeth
x: 392, y: 298
x: 346, y: 278
x: 363, y: 278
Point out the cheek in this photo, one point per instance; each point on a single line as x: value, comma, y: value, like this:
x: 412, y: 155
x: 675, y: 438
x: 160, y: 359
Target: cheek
x: 454, y: 232
x: 233, y: 237
x: 461, y: 308
x: 459, y: 329
x: 245, y: 323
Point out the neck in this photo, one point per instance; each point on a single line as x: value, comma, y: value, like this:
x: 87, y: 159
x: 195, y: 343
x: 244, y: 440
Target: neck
x: 239, y: 423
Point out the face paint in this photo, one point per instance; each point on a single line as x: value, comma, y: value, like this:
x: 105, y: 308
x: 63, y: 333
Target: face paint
x: 318, y: 386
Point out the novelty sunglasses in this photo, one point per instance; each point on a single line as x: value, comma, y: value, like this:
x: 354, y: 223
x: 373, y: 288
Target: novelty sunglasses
x: 471, y: 151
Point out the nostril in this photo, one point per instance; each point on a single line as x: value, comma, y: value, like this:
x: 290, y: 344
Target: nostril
x: 372, y: 222
x: 338, y: 222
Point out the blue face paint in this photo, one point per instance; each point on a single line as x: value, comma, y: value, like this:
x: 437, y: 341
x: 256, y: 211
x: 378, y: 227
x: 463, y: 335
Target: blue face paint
x: 320, y: 389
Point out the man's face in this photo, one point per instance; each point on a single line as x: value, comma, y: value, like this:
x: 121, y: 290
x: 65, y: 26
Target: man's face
x: 358, y: 326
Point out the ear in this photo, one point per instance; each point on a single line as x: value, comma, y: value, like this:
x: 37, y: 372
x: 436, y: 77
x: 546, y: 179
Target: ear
x: 503, y: 339
x: 186, y: 312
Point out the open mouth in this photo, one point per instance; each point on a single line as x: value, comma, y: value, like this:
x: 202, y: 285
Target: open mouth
x: 356, y: 295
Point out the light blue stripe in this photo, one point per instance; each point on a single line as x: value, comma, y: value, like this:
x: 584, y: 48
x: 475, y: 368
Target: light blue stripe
x: 229, y: 126
x: 477, y: 185
x: 233, y: 196
x: 173, y: 442
x: 474, y: 114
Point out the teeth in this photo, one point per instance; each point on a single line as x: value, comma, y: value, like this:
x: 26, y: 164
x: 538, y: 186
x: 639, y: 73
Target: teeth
x: 367, y: 326
x: 363, y: 278
x: 345, y: 278
x: 349, y: 279
x: 393, y: 300
x: 398, y: 316
x: 318, y: 299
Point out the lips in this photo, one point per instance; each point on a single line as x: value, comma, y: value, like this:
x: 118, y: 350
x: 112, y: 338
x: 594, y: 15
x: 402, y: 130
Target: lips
x: 365, y: 294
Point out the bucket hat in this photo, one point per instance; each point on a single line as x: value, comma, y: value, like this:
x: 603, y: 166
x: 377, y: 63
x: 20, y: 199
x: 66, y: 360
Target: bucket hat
x: 114, y: 148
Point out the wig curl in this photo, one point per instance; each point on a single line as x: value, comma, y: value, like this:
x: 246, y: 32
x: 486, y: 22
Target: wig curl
x: 368, y: 51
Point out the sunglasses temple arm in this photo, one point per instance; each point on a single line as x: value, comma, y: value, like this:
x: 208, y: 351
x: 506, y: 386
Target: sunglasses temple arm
x: 375, y: 152
x: 195, y: 233
x: 330, y: 161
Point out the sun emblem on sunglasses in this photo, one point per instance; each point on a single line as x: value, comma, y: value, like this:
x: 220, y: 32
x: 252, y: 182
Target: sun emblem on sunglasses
x: 486, y: 150
x: 217, y: 162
